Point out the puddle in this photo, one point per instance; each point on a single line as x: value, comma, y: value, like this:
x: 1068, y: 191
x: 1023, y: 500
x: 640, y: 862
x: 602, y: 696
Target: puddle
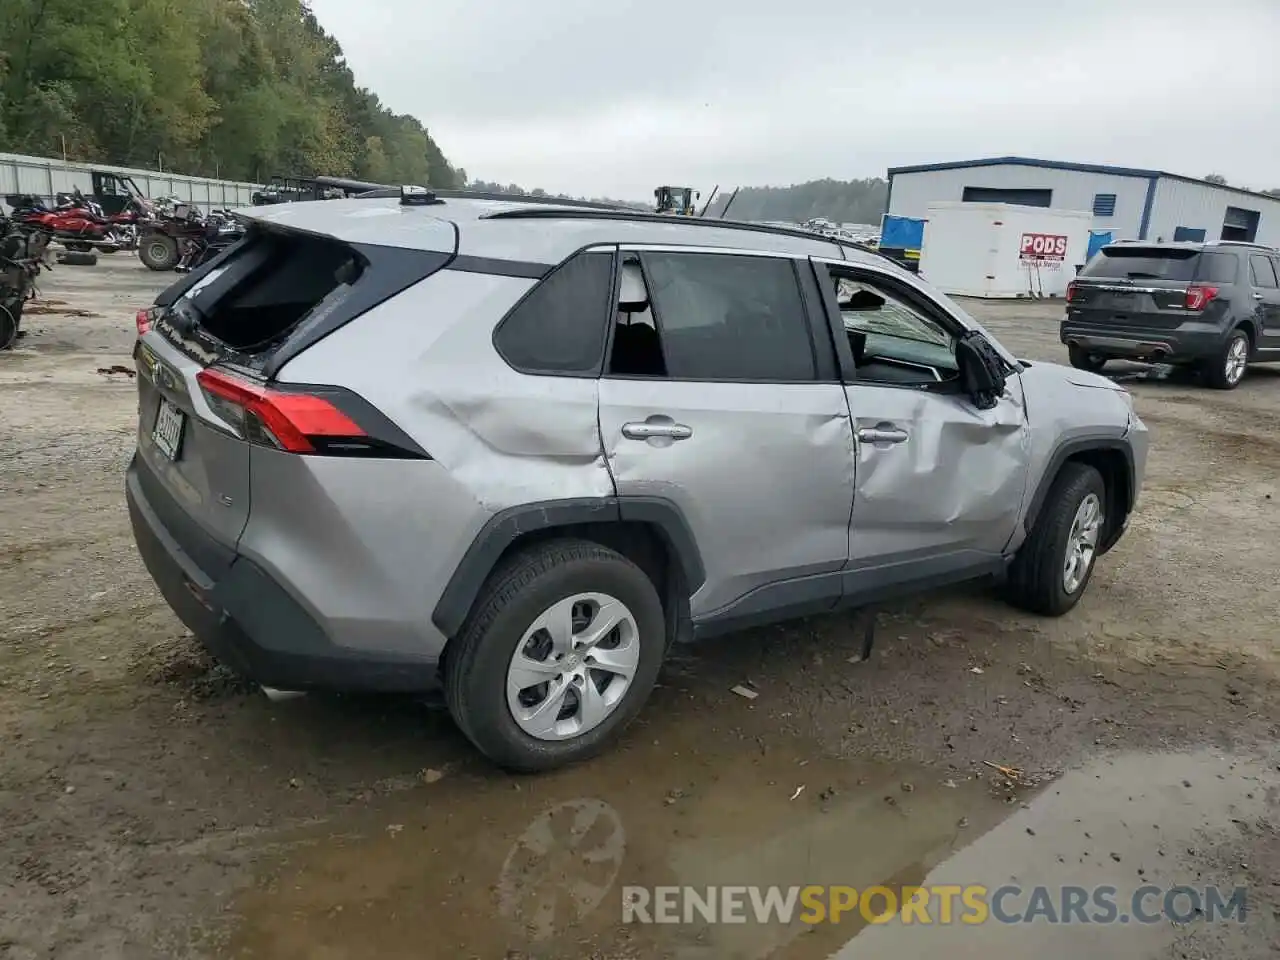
x: 488, y: 866
x: 479, y: 865
x: 1134, y: 821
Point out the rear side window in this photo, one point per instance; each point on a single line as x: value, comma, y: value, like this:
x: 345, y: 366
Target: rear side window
x: 1143, y: 263
x: 1217, y: 267
x: 727, y: 317
x: 1263, y: 274
x: 560, y: 326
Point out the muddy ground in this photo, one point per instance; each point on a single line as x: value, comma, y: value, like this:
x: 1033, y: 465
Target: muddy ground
x: 151, y: 806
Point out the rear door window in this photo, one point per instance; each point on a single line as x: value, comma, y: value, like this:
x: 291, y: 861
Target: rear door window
x: 1217, y: 267
x: 1263, y: 274
x: 729, y: 317
x: 1143, y: 263
x: 560, y: 325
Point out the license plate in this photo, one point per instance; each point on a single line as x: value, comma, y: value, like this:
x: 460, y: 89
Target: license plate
x: 1123, y: 301
x: 168, y: 429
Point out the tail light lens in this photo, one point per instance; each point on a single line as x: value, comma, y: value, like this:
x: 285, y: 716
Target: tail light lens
x: 1199, y: 295
x: 1072, y: 290
x: 295, y: 422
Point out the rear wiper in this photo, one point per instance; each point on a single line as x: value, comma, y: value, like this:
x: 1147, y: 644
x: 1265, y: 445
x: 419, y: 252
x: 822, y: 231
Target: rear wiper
x: 1143, y: 276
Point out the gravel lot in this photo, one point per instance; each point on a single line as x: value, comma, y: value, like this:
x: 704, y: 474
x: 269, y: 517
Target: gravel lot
x: 153, y: 806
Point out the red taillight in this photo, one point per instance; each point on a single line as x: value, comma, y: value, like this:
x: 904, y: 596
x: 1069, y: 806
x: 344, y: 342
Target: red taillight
x: 143, y: 320
x: 1198, y: 296
x: 1072, y: 290
x: 289, y: 421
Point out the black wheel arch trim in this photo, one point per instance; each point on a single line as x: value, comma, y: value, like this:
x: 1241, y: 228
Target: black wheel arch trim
x: 507, y: 526
x: 1064, y: 452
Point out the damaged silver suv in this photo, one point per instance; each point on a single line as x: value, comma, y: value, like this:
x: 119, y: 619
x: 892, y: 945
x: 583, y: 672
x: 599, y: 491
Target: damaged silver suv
x: 518, y: 449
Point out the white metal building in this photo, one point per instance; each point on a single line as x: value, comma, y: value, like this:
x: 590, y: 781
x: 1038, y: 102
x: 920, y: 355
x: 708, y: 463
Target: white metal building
x: 45, y: 177
x: 1127, y: 203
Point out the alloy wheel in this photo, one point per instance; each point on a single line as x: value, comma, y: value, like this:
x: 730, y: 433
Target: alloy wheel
x: 1237, y: 360
x: 1082, y: 543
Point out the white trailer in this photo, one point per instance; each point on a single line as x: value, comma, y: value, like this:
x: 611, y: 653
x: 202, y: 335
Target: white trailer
x: 1002, y: 249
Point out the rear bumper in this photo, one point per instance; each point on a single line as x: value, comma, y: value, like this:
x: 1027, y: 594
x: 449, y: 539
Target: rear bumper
x: 1189, y: 341
x: 247, y: 620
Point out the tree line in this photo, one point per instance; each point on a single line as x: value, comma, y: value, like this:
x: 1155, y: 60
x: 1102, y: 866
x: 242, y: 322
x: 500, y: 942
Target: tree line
x: 514, y: 189
x: 235, y: 89
x: 842, y: 201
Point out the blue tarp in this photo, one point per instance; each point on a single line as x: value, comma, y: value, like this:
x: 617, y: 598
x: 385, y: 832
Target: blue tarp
x: 901, y: 233
x: 1097, y: 240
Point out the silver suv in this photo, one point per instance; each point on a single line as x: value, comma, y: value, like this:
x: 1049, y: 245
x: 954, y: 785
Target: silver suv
x: 519, y: 449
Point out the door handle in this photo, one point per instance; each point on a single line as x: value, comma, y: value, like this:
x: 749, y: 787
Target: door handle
x: 651, y: 429
x: 1257, y: 296
x: 885, y: 433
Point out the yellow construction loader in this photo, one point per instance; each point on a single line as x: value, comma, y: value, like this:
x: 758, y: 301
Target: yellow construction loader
x: 677, y: 201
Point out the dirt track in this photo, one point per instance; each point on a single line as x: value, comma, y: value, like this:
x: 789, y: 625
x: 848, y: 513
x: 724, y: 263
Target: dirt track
x: 154, y: 807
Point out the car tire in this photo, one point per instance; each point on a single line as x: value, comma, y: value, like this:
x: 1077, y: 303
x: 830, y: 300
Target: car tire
x: 1083, y: 360
x: 9, y: 324
x: 159, y: 252
x: 1225, y: 371
x: 480, y: 663
x: 1040, y: 579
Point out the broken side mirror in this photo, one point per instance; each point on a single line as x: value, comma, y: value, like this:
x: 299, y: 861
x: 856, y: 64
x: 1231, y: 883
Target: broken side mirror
x: 982, y: 371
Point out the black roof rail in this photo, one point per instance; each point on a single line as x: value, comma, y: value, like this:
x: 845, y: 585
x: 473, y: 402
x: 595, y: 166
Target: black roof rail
x: 344, y: 183
x: 640, y: 216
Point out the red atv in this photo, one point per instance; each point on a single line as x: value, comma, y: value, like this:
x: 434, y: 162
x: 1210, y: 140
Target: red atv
x: 176, y: 235
x: 75, y: 221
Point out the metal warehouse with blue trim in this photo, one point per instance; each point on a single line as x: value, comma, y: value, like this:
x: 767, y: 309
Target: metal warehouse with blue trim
x: 1127, y: 203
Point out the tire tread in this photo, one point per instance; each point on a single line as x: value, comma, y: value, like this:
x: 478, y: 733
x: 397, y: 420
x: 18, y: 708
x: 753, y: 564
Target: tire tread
x: 1033, y: 576
x: 1215, y: 370
x: 511, y: 579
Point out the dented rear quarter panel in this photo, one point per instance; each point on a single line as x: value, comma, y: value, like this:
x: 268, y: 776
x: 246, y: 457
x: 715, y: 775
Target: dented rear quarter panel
x: 427, y: 361
x: 497, y: 439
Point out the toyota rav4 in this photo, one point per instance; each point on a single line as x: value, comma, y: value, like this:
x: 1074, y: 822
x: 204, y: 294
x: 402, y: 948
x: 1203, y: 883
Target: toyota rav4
x: 517, y: 449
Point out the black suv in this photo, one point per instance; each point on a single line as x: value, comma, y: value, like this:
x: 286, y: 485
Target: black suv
x: 1214, y: 306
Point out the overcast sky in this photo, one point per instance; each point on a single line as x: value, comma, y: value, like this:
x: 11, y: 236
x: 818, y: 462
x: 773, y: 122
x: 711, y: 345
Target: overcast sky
x: 613, y: 97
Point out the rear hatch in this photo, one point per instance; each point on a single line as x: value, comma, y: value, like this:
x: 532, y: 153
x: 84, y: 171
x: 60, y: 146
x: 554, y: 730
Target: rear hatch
x: 209, y: 349
x: 1155, y: 287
